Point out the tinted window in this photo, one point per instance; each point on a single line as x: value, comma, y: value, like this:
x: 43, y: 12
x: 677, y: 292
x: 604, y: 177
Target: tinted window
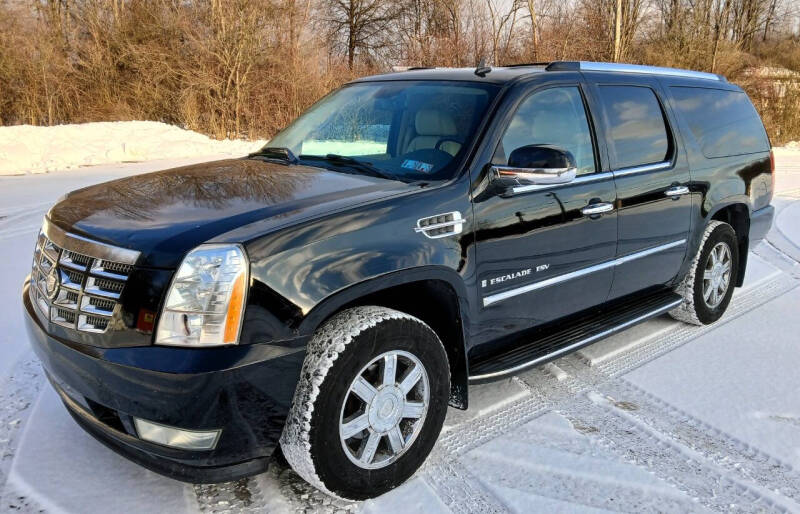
x: 637, y: 129
x: 723, y: 122
x: 553, y: 116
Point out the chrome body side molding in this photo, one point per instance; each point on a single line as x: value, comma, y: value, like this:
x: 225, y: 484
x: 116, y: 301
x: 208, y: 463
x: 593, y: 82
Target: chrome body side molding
x: 499, y: 297
x: 580, y: 179
x: 642, y: 169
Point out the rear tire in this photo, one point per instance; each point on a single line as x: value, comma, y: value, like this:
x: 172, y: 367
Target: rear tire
x: 709, y: 283
x: 370, y: 403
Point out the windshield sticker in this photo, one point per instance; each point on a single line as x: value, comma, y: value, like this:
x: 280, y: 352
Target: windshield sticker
x: 420, y: 166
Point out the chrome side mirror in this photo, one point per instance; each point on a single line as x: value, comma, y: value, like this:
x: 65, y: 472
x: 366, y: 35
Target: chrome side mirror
x: 536, y: 176
x: 536, y: 165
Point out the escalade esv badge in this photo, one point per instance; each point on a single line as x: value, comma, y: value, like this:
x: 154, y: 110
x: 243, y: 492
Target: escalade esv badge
x: 325, y: 294
x: 510, y: 276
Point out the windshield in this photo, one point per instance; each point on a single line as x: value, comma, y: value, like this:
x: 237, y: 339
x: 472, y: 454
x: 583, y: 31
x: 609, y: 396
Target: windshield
x: 406, y: 130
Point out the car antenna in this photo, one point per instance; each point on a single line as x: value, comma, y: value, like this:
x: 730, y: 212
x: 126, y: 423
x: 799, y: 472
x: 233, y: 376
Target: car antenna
x: 482, y: 69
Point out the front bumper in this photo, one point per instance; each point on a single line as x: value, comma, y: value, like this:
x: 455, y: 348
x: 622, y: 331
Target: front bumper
x: 245, y: 390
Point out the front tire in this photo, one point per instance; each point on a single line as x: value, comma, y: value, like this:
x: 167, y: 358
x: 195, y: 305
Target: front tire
x: 370, y: 403
x: 708, y: 285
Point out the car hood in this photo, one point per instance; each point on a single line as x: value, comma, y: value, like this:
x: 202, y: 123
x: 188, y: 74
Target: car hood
x: 165, y: 214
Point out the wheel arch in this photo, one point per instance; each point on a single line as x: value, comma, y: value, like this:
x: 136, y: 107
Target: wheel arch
x: 436, y: 295
x: 737, y: 215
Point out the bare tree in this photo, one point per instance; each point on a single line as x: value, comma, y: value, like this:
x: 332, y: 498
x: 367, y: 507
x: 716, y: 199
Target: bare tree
x: 360, y: 25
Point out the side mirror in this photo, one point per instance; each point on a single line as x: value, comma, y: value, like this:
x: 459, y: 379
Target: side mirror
x: 537, y: 165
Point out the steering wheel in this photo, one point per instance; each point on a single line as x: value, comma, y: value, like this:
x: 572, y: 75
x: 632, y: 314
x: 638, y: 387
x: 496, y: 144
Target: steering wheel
x: 445, y: 140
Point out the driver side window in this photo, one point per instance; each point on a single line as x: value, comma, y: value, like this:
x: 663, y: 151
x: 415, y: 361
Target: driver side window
x: 554, y: 116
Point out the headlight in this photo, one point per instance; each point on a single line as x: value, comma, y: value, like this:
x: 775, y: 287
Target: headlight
x: 205, y: 302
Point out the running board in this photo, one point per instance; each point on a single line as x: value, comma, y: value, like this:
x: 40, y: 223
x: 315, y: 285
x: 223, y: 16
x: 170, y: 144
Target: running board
x: 560, y: 340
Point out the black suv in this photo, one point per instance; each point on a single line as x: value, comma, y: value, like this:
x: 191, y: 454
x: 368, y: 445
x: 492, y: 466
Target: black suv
x: 409, y: 234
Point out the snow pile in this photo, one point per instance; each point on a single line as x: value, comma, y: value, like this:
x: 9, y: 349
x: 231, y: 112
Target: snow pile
x: 792, y: 147
x: 29, y: 149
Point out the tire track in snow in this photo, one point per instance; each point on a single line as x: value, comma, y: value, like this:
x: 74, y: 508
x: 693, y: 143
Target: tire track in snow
x: 514, y: 470
x: 724, y: 450
x: 547, y: 393
x: 457, y: 487
x: 633, y: 442
x: 656, y: 347
x: 468, y: 435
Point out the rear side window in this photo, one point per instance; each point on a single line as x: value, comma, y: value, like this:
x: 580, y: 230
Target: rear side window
x: 724, y: 123
x: 636, y: 125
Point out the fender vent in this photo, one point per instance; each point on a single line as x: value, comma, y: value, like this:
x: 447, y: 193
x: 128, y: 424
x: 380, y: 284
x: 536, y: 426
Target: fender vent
x: 441, y: 225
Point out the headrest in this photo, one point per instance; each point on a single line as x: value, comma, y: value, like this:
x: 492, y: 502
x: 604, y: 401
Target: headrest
x: 430, y: 122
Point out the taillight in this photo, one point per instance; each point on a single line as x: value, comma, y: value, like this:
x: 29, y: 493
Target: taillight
x: 772, y: 163
x: 771, y: 174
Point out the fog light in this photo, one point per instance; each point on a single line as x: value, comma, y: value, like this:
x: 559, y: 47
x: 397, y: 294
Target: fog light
x: 176, y: 437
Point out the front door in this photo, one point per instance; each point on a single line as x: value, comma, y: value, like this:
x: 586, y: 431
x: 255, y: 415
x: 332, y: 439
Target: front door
x: 540, y: 253
x: 652, y: 178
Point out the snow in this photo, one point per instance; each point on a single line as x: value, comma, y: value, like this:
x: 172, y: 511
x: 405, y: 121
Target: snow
x: 662, y: 417
x: 32, y: 149
x: 788, y: 224
x: 759, y: 379
x: 790, y: 148
x: 68, y: 471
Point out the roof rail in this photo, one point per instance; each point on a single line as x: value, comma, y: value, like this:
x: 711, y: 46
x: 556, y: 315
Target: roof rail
x: 630, y: 68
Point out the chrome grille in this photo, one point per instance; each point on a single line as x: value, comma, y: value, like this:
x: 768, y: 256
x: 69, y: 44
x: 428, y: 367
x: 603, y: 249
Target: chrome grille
x: 75, y: 288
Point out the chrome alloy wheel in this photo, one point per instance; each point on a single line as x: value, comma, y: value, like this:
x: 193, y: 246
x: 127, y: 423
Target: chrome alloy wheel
x: 384, y: 409
x: 717, y: 275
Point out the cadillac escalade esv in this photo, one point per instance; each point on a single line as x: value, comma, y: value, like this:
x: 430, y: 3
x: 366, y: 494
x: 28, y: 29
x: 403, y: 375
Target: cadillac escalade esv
x: 409, y: 234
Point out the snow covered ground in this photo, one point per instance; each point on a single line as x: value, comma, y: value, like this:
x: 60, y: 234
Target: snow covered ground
x: 664, y: 417
x: 28, y: 149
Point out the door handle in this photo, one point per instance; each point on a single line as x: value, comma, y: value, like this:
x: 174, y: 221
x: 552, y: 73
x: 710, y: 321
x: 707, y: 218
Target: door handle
x: 597, y: 208
x: 677, y: 191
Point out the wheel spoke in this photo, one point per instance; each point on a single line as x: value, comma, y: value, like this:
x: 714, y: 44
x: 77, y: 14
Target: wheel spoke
x: 707, y: 275
x: 370, y: 447
x: 384, y: 409
x: 364, y: 389
x: 354, y: 427
x: 413, y: 410
x: 389, y: 369
x: 396, y: 440
x: 707, y: 292
x: 714, y: 295
x: 726, y: 267
x: 411, y: 379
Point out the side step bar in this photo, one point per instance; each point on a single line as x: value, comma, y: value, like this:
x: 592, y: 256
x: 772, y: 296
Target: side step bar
x: 566, y: 337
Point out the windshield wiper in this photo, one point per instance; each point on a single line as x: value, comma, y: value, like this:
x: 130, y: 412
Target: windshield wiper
x: 350, y: 162
x: 278, y: 153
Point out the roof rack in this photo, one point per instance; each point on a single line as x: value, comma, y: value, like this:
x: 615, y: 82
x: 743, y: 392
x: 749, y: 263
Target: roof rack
x: 526, y: 64
x: 630, y: 68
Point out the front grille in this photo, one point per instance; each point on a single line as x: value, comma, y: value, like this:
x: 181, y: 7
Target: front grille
x: 75, y: 290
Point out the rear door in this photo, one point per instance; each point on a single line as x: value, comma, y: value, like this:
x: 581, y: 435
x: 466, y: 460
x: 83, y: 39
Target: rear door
x: 537, y: 251
x: 651, y: 173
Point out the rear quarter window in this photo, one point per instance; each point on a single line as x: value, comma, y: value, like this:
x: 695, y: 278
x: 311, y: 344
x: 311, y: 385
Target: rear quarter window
x: 724, y: 123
